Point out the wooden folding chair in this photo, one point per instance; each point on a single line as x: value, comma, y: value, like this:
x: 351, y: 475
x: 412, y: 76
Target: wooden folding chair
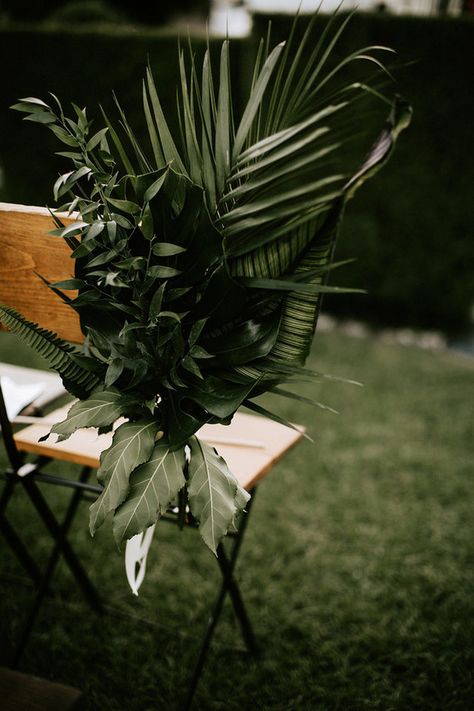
x: 251, y: 445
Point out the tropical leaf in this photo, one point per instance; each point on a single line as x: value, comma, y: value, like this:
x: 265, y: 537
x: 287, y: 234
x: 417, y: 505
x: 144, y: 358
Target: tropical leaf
x: 153, y: 486
x: 220, y: 397
x: 102, y: 408
x: 131, y: 446
x: 215, y: 496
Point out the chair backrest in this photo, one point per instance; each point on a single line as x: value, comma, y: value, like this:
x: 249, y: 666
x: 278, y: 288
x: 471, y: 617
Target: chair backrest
x: 26, y: 250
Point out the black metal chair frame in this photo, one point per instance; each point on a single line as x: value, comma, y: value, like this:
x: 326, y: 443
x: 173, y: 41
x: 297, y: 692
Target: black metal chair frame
x: 28, y: 475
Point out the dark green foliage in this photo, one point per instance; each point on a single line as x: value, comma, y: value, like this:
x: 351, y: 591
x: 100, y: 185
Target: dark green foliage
x: 200, y: 263
x: 415, y: 220
x: 414, y: 227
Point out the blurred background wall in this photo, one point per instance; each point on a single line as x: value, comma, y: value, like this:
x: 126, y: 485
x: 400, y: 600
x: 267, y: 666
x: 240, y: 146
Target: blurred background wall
x: 411, y: 229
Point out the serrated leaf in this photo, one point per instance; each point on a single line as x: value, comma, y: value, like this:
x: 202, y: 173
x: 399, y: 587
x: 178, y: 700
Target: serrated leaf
x: 102, y: 408
x: 214, y: 493
x: 131, y: 446
x: 153, y: 486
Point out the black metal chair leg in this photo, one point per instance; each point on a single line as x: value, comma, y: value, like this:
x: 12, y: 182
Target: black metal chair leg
x: 67, y: 552
x: 12, y: 538
x: 228, y: 585
x: 237, y: 602
x: 20, y: 551
x: 7, y: 492
x: 50, y: 568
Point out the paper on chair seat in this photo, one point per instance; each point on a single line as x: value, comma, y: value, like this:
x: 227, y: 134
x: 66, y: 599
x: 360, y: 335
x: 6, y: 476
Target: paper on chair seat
x: 51, y: 382
x: 18, y: 396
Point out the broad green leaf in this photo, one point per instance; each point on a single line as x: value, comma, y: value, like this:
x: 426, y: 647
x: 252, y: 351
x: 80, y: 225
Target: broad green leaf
x: 213, y: 493
x: 153, y: 486
x: 131, y: 446
x: 246, y: 341
x: 220, y: 397
x: 102, y: 408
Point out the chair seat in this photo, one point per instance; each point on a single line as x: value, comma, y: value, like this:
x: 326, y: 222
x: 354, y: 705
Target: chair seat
x: 20, y: 692
x: 251, y: 445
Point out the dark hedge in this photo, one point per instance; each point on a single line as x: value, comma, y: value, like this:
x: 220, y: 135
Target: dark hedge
x: 411, y: 229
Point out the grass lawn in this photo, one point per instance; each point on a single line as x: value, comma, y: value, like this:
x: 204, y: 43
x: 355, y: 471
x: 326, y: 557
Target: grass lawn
x: 357, y: 568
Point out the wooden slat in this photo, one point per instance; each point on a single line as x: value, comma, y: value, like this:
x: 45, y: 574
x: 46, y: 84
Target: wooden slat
x: 263, y: 443
x: 26, y: 248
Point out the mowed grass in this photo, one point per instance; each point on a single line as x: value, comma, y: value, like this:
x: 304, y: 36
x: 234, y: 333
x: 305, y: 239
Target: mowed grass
x: 357, y: 568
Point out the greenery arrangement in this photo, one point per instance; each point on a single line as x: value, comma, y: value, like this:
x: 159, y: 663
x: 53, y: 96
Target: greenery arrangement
x: 200, y: 269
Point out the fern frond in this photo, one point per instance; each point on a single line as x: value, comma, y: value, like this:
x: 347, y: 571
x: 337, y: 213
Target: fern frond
x: 61, y: 355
